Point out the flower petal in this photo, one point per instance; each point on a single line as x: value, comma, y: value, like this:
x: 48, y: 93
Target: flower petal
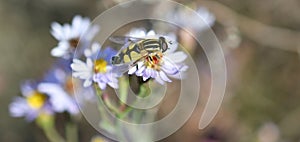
x: 132, y: 70
x: 60, y: 100
x: 102, y: 85
x: 56, y: 31
x: 164, y: 76
x: 113, y: 85
x: 58, y: 52
x: 176, y: 57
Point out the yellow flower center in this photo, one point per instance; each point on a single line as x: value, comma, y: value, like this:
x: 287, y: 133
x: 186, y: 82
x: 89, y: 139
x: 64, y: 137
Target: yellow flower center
x: 36, y: 100
x: 154, y: 61
x: 100, y: 66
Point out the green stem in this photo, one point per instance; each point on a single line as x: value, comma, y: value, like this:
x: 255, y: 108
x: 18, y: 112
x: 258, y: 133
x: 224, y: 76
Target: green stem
x: 138, y: 115
x: 120, y: 133
x: 52, y: 134
x: 127, y: 110
x: 100, y: 108
x: 144, y: 91
x: 111, y: 106
x: 106, y: 123
x: 124, y: 85
x: 106, y: 101
x: 71, y: 132
x: 47, y: 123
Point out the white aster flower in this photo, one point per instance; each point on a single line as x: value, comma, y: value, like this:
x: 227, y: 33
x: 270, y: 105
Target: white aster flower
x: 141, y: 33
x: 93, y: 51
x: 68, y: 35
x: 161, y: 66
x: 161, y: 69
x: 99, y: 72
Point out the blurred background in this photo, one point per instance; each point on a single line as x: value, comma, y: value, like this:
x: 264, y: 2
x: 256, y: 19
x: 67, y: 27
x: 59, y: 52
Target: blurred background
x: 261, y: 41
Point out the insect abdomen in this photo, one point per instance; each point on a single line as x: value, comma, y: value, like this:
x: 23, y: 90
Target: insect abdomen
x: 129, y: 54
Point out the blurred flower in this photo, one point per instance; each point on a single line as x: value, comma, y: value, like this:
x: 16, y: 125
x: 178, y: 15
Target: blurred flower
x: 233, y: 38
x: 159, y: 66
x: 99, y: 71
x: 141, y: 33
x: 207, y: 16
x: 187, y: 19
x: 60, y: 99
x: 68, y: 36
x: 58, y: 85
x: 269, y: 132
x: 32, y: 104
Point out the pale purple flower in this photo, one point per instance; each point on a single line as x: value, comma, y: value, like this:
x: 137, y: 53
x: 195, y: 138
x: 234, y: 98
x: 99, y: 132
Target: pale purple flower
x: 99, y: 71
x: 68, y: 36
x: 61, y: 101
x: 106, y: 78
x: 31, y: 104
x: 58, y: 85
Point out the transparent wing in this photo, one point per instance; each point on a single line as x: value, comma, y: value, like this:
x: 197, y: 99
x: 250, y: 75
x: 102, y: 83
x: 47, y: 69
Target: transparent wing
x: 124, y: 39
x: 123, y: 47
x: 120, y: 69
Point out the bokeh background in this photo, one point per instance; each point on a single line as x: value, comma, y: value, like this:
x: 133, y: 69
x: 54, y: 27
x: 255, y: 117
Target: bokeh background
x: 262, y: 53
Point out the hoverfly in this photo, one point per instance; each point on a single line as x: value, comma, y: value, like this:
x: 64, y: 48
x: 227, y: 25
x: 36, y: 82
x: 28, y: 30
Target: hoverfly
x: 137, y: 49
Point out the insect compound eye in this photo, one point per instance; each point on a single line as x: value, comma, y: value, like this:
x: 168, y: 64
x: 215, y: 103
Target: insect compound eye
x: 163, y: 43
x: 165, y: 47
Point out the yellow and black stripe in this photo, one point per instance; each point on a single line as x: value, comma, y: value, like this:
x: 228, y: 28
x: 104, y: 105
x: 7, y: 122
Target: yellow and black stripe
x: 136, y: 50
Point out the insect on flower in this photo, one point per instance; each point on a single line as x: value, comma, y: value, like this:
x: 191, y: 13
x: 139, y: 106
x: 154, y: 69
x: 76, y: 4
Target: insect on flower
x: 138, y: 49
x: 160, y: 64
